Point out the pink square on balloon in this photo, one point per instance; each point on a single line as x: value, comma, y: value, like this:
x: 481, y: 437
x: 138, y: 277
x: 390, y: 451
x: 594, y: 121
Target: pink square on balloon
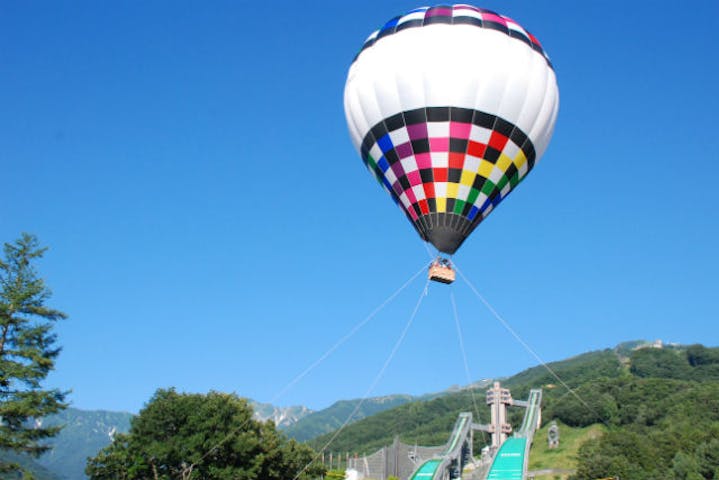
x: 439, y: 144
x: 424, y: 160
x: 459, y: 130
x: 437, y: 11
x: 412, y: 213
x: 414, y: 178
x: 490, y: 17
x: 410, y: 196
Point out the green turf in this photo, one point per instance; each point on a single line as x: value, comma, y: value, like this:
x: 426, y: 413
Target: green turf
x: 564, y: 457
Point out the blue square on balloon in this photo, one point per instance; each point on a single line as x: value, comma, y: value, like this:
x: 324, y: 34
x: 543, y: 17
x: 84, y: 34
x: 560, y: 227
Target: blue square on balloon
x: 383, y: 164
x: 385, y: 143
x: 387, y: 184
x: 473, y: 212
x: 391, y: 24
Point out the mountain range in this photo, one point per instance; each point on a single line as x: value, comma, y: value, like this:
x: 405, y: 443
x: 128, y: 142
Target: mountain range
x: 283, y: 417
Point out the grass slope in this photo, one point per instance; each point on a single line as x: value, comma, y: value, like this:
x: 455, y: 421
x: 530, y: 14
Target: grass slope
x: 564, y: 457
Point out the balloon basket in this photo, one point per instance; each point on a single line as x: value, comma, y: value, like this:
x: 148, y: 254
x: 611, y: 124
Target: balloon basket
x: 441, y: 271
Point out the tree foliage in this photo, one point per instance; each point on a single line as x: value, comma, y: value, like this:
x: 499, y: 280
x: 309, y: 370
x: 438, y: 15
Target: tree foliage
x: 27, y: 351
x: 627, y: 455
x: 696, y: 362
x: 573, y: 371
x: 660, y: 429
x: 699, y: 355
x: 194, y: 436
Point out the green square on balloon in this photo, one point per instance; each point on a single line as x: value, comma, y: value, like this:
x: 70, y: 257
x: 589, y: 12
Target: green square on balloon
x: 488, y: 187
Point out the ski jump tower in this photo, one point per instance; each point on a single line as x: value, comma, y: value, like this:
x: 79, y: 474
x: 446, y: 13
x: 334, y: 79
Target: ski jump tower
x: 499, y: 399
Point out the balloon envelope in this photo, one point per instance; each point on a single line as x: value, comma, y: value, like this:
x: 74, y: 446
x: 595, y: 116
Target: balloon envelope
x: 450, y: 108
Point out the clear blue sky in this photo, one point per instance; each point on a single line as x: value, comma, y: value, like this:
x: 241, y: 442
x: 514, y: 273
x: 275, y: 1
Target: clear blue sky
x: 211, y: 226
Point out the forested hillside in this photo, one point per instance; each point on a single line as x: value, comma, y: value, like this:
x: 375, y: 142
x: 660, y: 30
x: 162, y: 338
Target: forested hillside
x: 658, y: 407
x: 421, y: 422
x: 333, y: 417
x: 662, y: 417
x: 429, y: 422
x: 84, y: 433
x: 29, y: 464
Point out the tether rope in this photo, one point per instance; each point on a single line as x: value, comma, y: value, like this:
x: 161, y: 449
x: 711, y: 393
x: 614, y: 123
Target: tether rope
x: 344, y: 339
x: 529, y: 349
x: 314, y: 365
x: 468, y: 375
x: 376, y: 380
x: 432, y: 256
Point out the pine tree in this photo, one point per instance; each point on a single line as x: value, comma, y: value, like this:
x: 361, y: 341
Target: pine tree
x: 27, y: 352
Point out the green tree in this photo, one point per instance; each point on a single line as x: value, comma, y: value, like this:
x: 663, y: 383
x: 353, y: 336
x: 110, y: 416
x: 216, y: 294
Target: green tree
x: 661, y: 363
x: 684, y: 467
x: 194, y: 436
x: 699, y: 355
x: 707, y: 455
x: 27, y: 352
x: 625, y: 454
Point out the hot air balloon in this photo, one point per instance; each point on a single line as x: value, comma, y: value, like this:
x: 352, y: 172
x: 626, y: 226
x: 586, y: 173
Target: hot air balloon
x: 450, y: 107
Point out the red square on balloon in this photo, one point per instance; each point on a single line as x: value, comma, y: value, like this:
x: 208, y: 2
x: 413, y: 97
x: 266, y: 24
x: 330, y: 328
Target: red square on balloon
x: 429, y: 190
x: 476, y: 149
x: 497, y: 141
x: 441, y: 174
x: 456, y: 160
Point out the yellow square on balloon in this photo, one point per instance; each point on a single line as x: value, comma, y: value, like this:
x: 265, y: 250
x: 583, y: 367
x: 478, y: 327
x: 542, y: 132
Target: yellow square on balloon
x: 441, y: 204
x: 520, y: 159
x: 467, y: 178
x: 485, y: 168
x: 504, y: 162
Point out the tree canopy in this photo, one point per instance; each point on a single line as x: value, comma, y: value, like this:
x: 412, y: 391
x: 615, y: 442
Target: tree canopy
x: 197, y: 436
